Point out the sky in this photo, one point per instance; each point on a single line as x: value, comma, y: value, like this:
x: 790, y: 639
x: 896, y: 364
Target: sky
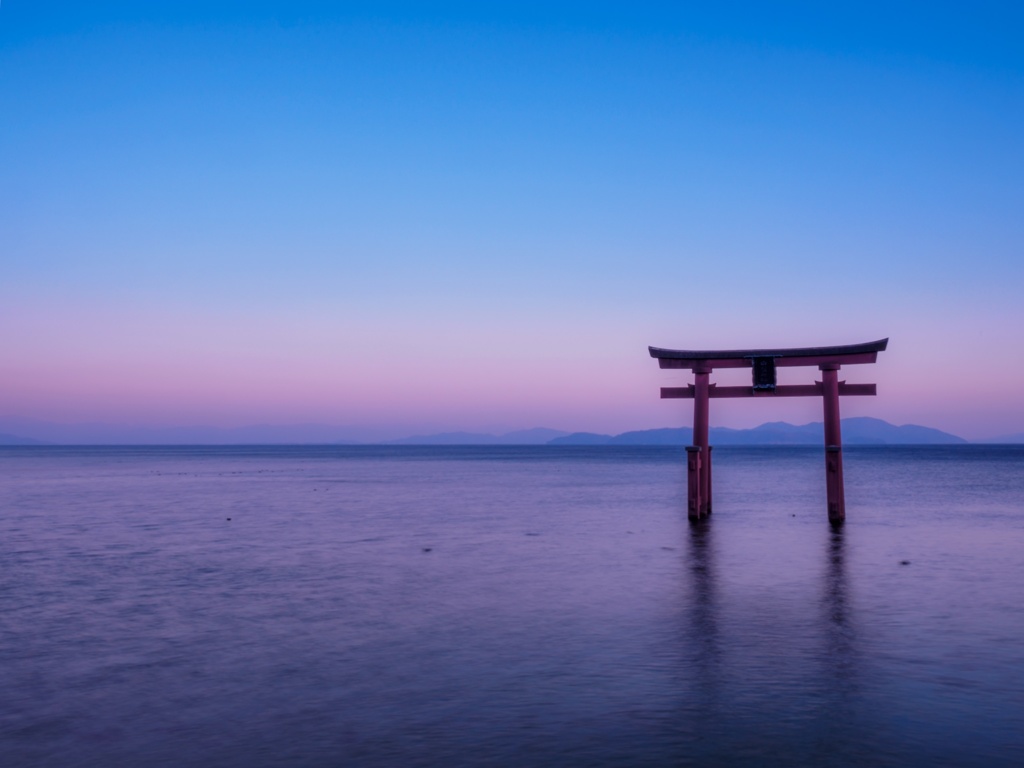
x: 477, y: 216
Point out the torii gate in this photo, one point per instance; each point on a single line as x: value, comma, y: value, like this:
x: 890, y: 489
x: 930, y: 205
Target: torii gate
x: 763, y: 363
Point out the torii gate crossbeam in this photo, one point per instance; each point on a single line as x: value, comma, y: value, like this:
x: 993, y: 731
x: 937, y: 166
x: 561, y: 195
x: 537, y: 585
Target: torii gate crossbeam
x: 763, y: 363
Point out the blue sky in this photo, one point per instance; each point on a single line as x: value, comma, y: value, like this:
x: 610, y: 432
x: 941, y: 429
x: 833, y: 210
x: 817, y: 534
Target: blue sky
x: 477, y: 216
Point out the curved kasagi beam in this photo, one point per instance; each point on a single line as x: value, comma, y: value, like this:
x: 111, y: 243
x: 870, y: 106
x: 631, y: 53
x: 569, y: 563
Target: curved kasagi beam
x: 849, y: 354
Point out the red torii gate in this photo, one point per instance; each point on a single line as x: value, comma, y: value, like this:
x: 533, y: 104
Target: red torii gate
x: 763, y: 363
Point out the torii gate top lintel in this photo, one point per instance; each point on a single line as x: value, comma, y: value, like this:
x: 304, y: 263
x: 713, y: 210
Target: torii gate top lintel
x: 849, y: 354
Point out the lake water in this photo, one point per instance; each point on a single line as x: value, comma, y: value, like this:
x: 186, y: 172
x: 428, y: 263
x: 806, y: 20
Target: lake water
x: 335, y: 606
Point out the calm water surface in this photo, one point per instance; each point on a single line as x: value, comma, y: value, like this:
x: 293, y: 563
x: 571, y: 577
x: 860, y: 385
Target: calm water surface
x: 503, y: 606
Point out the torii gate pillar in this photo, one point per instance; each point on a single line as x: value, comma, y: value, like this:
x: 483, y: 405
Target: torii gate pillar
x: 699, y: 482
x: 763, y: 363
x: 834, y: 490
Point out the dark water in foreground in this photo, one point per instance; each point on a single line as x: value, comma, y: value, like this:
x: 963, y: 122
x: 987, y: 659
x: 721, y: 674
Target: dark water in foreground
x: 508, y: 606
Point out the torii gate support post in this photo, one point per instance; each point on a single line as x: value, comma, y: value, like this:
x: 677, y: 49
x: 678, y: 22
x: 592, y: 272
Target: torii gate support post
x: 835, y: 493
x: 693, y: 482
x: 702, y: 477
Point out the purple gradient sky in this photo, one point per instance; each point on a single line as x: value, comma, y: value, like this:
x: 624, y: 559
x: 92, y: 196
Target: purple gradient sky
x: 463, y: 219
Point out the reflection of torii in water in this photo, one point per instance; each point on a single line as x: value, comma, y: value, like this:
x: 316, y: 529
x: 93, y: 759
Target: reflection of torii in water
x: 763, y: 363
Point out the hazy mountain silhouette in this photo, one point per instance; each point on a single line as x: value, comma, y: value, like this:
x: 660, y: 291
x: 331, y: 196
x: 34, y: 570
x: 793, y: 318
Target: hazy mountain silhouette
x: 6, y: 439
x: 19, y: 431
x: 117, y: 434
x: 856, y: 431
x: 537, y: 436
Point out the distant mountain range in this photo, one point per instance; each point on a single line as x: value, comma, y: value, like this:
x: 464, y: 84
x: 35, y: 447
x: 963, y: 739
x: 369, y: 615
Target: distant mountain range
x: 856, y: 431
x: 538, y: 436
x: 15, y: 431
x: 6, y: 439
